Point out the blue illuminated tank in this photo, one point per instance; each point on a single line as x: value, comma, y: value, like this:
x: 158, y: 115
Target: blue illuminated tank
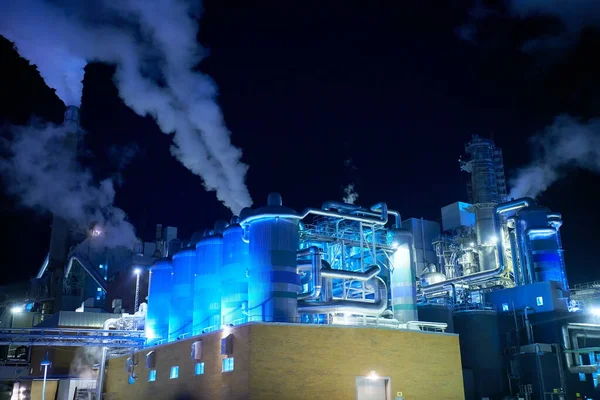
x: 182, y: 295
x: 159, y: 301
x: 207, y: 284
x: 273, y: 281
x: 539, y: 245
x: 234, y: 294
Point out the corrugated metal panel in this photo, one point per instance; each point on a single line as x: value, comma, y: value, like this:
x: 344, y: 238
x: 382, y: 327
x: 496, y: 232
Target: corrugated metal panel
x: 77, y: 319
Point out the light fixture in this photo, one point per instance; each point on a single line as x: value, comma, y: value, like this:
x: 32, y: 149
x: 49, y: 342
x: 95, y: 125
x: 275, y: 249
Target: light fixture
x: 494, y: 239
x: 137, y: 271
x: 595, y: 311
x: 472, y: 244
x: 16, y: 309
x: 373, y: 375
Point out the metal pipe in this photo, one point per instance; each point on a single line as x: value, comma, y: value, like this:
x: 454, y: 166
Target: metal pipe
x: 499, y: 270
x: 316, y: 260
x: 572, y: 348
x: 112, y: 322
x: 369, y: 274
x: 381, y: 220
x: 44, y: 266
x: 528, y: 326
x: 339, y: 206
x: 375, y: 308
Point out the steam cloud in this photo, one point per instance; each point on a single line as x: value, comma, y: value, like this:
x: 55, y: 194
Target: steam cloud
x: 82, y: 365
x: 574, y: 16
x: 350, y: 195
x: 566, y: 144
x: 155, y: 50
x: 42, y: 170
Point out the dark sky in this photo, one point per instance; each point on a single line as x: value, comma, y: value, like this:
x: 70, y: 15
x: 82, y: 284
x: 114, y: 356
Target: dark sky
x: 305, y: 86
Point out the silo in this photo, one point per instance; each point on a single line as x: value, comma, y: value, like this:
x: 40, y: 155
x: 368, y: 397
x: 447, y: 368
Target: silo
x: 273, y: 281
x: 207, y: 283
x: 234, y: 294
x: 402, y: 277
x: 182, y: 295
x: 480, y: 349
x: 437, y: 313
x: 159, y: 301
x: 540, y: 245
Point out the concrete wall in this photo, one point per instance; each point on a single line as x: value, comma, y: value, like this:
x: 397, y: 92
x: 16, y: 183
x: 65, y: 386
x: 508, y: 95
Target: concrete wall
x: 285, y: 361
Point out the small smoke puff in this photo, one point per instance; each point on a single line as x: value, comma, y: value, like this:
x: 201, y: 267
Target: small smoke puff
x: 43, y: 173
x: 350, y: 195
x: 84, y: 361
x: 568, y: 143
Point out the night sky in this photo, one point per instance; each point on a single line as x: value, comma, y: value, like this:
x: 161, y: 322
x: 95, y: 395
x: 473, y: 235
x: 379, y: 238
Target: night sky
x: 305, y: 87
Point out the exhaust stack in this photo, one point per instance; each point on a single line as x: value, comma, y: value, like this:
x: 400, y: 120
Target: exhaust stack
x: 72, y: 115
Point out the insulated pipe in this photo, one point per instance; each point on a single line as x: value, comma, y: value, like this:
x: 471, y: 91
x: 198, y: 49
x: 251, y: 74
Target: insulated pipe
x: 359, y: 307
x: 478, y: 277
x: 44, y: 266
x: 111, y: 322
x: 572, y: 348
x: 515, y: 259
x: 316, y: 265
x: 369, y: 274
x: 339, y: 206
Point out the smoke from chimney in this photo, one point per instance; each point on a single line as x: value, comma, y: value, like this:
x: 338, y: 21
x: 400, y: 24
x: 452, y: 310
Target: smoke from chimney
x: 42, y: 171
x: 566, y: 144
x: 350, y: 195
x: 154, y: 47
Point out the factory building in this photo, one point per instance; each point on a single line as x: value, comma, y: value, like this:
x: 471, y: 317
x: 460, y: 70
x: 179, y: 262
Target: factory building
x: 340, y: 301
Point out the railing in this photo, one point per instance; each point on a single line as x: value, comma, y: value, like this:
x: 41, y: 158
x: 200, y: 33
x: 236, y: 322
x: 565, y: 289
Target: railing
x: 474, y: 307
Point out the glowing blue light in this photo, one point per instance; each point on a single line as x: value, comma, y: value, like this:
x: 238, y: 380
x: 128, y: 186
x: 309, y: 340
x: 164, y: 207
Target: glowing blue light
x: 100, y: 266
x: 504, y: 306
x: 159, y: 301
x: 99, y: 289
x: 174, y: 372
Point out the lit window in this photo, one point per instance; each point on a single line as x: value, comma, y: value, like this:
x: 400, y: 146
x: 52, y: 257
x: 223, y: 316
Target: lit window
x: 199, y: 369
x: 504, y: 306
x: 99, y: 289
x: 539, y: 300
x: 174, y: 373
x: 228, y: 364
x: 581, y: 377
x: 152, y: 375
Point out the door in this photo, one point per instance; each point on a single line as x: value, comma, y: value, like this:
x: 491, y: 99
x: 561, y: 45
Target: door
x: 372, y: 388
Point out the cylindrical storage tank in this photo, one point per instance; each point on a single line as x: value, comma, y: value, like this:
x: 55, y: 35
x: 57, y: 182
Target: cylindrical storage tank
x: 437, y: 313
x: 159, y: 301
x: 273, y: 281
x: 480, y: 349
x: 540, y: 244
x: 182, y: 296
x: 402, y: 277
x: 207, y: 284
x: 234, y: 291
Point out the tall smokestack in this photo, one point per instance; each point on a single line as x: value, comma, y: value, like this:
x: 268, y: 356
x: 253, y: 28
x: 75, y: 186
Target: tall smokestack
x: 72, y: 115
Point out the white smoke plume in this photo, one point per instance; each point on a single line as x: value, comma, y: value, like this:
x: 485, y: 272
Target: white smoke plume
x: 350, y: 195
x: 41, y: 169
x: 153, y: 44
x: 83, y: 363
x: 566, y: 144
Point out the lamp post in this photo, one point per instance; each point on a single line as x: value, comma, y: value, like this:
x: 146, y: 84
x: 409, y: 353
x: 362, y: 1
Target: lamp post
x: 137, y: 271
x: 45, y: 363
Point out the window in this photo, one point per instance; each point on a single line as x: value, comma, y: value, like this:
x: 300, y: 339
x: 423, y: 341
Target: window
x: 152, y: 375
x: 228, y: 364
x: 504, y: 306
x: 199, y: 369
x: 174, y: 373
x: 539, y: 300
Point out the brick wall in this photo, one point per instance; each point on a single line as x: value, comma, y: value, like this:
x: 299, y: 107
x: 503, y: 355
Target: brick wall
x: 283, y: 361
